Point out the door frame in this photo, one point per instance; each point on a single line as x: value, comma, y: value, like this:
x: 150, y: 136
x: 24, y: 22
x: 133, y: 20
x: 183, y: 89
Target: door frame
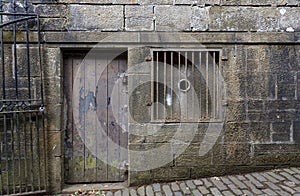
x: 83, y: 51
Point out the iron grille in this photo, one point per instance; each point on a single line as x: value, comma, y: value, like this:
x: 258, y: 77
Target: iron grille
x: 22, y: 135
x: 185, y: 85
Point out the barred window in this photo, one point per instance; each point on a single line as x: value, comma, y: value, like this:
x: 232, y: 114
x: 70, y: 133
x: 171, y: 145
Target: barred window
x: 185, y: 85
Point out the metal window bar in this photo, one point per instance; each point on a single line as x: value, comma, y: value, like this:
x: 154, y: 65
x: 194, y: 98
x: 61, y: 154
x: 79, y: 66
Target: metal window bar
x: 22, y: 134
x: 192, y: 75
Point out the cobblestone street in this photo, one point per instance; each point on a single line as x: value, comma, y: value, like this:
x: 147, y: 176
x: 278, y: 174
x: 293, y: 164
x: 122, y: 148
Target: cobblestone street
x: 276, y: 182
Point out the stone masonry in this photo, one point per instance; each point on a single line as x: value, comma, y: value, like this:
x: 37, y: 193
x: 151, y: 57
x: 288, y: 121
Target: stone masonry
x: 260, y: 64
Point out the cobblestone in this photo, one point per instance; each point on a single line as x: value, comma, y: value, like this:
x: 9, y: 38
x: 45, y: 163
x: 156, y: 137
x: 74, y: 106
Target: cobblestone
x: 282, y: 182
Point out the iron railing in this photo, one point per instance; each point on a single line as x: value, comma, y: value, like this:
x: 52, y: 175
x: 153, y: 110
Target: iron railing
x: 22, y: 134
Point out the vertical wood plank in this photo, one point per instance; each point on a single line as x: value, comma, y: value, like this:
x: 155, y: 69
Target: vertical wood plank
x: 102, y: 99
x: 113, y: 129
x: 123, y: 115
x: 89, y: 112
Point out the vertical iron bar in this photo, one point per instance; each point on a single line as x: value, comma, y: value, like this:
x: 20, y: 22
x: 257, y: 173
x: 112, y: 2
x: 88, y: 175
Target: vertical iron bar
x: 31, y: 152
x: 152, y: 84
x: 219, y: 96
x: 25, y: 151
x: 165, y: 83
x: 2, y: 53
x: 19, y: 150
x: 6, y: 152
x: 214, y: 85
x: 200, y: 86
x: 12, y: 128
x: 179, y: 116
x: 15, y: 51
x: 186, y: 83
x: 3, y: 95
x: 28, y: 52
x: 40, y: 61
x: 193, y: 90
x: 157, y: 85
x: 172, y: 64
x: 38, y: 148
x: 206, y: 80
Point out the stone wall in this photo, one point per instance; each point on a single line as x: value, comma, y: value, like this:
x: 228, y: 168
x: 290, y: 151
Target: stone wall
x: 260, y: 65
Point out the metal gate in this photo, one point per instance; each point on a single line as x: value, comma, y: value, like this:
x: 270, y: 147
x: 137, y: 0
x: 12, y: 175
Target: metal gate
x: 22, y: 135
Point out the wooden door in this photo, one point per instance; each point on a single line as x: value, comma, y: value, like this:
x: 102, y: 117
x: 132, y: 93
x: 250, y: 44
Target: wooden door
x: 96, y: 100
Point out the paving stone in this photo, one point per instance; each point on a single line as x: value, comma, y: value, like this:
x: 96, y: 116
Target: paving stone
x: 156, y: 187
x: 290, y: 177
x: 297, y: 189
x: 190, y: 184
x: 203, y: 190
x: 253, y: 188
x: 118, y: 193
x: 241, y: 177
x: 272, y: 186
x: 288, y: 189
x: 248, y: 193
x: 296, y: 170
x: 226, y: 180
x: 289, y: 183
x: 149, y: 190
x: 198, y: 182
x: 227, y: 193
x: 125, y: 192
x: 289, y: 171
x: 158, y: 194
x: 234, y: 189
x: 215, y: 191
x: 297, y: 176
x: 109, y: 193
x: 270, y: 178
x: 207, y: 183
x: 132, y: 192
x: 269, y: 192
x: 254, y: 181
x: 219, y: 184
x: 278, y: 177
x: 196, y: 192
x: 141, y: 191
x: 175, y: 186
x: 283, y: 193
x: 259, y: 177
x: 178, y: 194
x: 167, y: 190
x: 184, y: 188
x: 237, y: 182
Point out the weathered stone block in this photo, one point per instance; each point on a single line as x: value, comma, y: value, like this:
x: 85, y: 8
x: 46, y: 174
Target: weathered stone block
x: 139, y: 98
x: 268, y: 20
x: 282, y: 104
x: 236, y: 132
x: 53, y: 24
x: 281, y: 127
x: 200, y: 19
x: 52, y: 63
x: 288, y: 19
x: 281, y: 137
x: 139, y: 24
x: 234, y: 85
x: 233, y: 19
x: 88, y: 17
x: 168, y: 173
x: 288, y: 2
x: 286, y: 91
x: 235, y: 111
x: 197, y: 2
x: 139, y: 60
x: 155, y: 2
x: 52, y: 10
x: 167, y: 17
x: 296, y: 131
x: 53, y: 119
x: 257, y: 105
x: 139, y: 177
x: 258, y: 132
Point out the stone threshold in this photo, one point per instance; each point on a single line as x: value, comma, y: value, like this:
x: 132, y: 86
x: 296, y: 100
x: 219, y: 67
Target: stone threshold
x: 71, y: 188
